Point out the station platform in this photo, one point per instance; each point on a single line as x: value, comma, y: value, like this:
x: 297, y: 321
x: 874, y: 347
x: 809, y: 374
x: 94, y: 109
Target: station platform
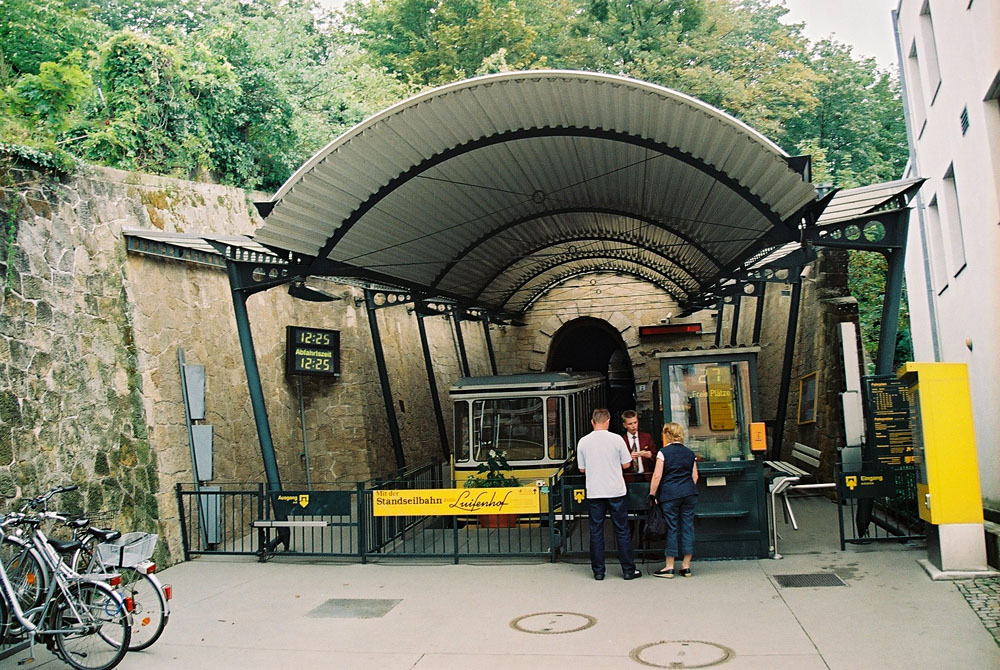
x: 877, y: 609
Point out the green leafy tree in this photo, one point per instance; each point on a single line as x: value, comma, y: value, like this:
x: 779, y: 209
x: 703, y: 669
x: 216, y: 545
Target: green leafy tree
x: 858, y: 121
x: 246, y: 118
x: 33, y: 32
x: 149, y: 119
x: 431, y: 43
x: 46, y: 99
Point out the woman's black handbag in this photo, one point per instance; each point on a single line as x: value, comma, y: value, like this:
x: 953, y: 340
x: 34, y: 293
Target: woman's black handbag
x: 656, y: 525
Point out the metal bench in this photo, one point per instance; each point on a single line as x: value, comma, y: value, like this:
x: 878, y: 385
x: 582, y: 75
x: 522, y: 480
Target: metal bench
x: 267, y: 545
x: 787, y: 479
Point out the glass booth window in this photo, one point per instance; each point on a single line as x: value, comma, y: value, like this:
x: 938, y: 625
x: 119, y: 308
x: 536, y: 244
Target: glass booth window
x: 712, y: 402
x: 513, y: 426
x: 461, y: 431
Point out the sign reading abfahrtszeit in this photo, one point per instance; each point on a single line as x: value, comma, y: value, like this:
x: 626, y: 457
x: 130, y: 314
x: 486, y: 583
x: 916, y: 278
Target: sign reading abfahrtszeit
x: 447, y: 502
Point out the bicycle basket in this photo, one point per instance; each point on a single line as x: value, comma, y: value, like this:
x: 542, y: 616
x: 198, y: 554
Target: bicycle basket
x: 128, y: 551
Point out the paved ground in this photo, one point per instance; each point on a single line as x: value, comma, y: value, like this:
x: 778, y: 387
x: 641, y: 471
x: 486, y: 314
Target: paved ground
x: 293, y: 613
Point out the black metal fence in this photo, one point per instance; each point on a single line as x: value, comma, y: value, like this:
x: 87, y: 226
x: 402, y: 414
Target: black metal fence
x: 336, y: 521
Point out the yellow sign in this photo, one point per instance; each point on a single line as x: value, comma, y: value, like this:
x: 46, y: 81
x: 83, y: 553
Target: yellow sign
x: 758, y: 436
x: 720, y: 398
x: 579, y: 495
x: 448, y: 502
x: 851, y: 481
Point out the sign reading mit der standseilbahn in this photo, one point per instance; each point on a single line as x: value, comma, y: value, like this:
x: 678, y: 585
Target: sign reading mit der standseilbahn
x: 449, y: 502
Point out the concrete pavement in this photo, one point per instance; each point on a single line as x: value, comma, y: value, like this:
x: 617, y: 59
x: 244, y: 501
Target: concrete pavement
x: 408, y: 614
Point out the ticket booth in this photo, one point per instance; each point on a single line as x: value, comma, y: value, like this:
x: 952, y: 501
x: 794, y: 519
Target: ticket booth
x: 713, y: 394
x: 949, y: 498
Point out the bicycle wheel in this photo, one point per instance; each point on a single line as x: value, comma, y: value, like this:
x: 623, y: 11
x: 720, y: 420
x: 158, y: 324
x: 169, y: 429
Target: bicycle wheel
x: 3, y: 619
x: 25, y: 571
x: 92, y: 625
x: 149, y: 607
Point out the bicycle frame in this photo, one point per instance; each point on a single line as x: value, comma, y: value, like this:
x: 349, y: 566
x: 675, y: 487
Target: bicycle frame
x: 61, y: 579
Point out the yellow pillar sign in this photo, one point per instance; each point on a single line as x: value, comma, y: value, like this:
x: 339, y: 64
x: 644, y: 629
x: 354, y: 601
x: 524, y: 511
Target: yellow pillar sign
x: 448, y: 502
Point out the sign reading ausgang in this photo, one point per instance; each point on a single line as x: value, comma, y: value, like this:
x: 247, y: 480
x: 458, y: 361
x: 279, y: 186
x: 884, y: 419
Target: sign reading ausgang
x: 447, y: 502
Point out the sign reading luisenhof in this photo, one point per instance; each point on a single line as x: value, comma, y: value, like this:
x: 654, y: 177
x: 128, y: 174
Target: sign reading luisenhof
x: 448, y: 502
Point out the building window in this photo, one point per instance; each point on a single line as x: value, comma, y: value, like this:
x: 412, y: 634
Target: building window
x: 935, y: 248
x: 930, y: 51
x: 991, y: 118
x: 963, y: 120
x: 953, y: 221
x: 916, y: 89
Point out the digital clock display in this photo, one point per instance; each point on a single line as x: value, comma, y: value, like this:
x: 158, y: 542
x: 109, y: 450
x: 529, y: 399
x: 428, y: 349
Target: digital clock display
x: 312, y: 351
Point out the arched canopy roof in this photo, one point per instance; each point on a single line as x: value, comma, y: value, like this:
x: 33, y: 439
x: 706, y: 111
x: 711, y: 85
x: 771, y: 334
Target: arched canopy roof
x: 488, y: 190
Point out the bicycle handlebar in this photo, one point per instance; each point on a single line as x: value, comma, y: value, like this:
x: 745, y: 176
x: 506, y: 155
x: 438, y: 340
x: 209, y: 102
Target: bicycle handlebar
x: 34, y: 503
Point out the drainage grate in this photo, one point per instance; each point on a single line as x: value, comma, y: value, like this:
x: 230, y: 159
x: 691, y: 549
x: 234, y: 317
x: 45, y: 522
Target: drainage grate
x: 353, y: 608
x: 809, y: 579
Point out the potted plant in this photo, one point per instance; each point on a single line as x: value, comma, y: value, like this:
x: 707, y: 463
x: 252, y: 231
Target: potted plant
x: 494, y: 475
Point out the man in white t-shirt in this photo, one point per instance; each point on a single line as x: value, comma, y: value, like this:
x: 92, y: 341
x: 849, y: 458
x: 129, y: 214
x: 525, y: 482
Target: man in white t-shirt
x: 602, y: 456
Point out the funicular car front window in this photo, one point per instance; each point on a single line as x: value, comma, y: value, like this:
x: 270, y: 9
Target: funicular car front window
x: 461, y: 431
x: 555, y: 408
x: 513, y: 426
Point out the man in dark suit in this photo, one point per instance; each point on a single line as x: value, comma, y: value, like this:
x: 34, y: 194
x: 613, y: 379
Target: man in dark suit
x: 640, y: 445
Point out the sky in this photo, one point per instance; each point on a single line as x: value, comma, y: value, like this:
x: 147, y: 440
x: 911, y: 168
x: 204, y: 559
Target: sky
x: 864, y: 24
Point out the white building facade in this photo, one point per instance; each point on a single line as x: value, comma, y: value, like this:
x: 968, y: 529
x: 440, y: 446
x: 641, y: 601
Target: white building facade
x: 949, y: 53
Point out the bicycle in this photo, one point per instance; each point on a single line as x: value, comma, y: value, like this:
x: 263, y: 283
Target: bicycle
x: 108, y: 549
x: 80, y: 617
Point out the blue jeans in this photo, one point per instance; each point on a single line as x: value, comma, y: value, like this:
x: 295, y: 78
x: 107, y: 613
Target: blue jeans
x: 679, y: 514
x: 619, y: 517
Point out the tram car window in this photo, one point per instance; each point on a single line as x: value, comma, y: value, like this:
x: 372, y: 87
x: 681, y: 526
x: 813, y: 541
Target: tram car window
x: 533, y: 419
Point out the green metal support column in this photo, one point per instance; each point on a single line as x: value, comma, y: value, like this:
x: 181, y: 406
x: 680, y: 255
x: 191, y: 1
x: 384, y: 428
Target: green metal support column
x: 758, y: 317
x: 890, y: 308
x: 435, y: 400
x: 461, y: 344
x: 786, y: 367
x: 253, y: 380
x: 721, y: 307
x: 489, y: 344
x: 734, y: 333
x: 383, y: 377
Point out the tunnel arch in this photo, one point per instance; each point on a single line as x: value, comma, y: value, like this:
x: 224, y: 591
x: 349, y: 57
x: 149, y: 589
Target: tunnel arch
x: 588, y: 344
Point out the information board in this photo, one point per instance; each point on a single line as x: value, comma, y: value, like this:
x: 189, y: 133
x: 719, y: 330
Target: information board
x: 719, y: 381
x: 887, y: 415
x: 312, y: 351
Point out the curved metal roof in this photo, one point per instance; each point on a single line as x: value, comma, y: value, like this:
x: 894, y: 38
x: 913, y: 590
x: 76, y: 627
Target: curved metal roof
x: 487, y: 190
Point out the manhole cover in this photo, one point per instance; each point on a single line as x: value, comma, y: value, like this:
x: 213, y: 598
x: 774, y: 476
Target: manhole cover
x: 809, y: 579
x: 552, y: 623
x: 682, y: 654
x: 353, y: 608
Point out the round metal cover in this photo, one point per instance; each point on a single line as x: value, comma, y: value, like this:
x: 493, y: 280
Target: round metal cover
x: 682, y: 654
x: 552, y: 623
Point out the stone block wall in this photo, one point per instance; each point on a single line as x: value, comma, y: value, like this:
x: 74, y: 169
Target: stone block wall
x: 89, y: 377
x: 74, y: 386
